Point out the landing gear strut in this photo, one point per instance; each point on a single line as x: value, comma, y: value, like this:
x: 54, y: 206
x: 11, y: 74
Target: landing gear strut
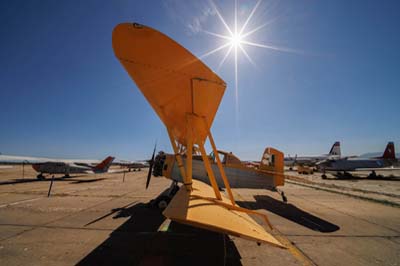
x: 323, y: 176
x: 284, y: 199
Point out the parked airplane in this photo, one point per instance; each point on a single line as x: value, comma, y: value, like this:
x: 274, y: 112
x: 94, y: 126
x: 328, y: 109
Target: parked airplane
x: 384, y: 162
x: 70, y: 168
x: 132, y: 165
x: 186, y: 95
x: 334, y: 153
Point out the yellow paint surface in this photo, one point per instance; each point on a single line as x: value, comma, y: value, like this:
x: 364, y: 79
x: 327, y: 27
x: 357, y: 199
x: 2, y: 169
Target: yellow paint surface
x: 193, y: 208
x: 173, y: 80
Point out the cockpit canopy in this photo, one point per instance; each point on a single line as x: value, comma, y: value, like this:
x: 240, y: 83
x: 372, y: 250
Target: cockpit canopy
x: 225, y: 157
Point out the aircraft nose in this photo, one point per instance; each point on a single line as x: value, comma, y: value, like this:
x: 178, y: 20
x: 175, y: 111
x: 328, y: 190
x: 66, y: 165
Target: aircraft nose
x: 35, y: 167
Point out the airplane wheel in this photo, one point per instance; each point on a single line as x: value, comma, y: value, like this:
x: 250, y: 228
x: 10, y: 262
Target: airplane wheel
x: 323, y: 176
x: 162, y: 202
x: 372, y: 175
x: 40, y: 177
x: 284, y: 197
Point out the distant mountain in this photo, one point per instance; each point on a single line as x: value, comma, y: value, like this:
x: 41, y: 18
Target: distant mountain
x: 375, y: 154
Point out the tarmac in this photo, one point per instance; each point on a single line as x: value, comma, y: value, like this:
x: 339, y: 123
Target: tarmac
x: 104, y: 219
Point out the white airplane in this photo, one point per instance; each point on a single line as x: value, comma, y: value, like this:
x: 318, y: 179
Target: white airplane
x: 334, y: 153
x: 71, y: 168
x: 132, y: 165
x: 385, y: 162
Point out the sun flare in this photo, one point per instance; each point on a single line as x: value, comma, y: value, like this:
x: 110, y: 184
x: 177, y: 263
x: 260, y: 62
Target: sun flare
x: 236, y: 41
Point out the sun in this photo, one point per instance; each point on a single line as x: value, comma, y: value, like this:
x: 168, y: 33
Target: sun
x: 235, y: 40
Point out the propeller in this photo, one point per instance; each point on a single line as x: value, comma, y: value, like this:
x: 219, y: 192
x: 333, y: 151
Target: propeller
x: 151, y: 165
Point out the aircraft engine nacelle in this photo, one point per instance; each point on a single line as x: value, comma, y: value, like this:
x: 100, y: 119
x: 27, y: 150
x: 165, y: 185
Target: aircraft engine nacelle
x: 164, y: 165
x: 168, y: 166
x: 272, y: 161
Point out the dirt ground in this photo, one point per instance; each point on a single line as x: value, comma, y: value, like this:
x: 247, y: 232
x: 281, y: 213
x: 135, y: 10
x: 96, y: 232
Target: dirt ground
x: 104, y: 220
x: 384, y: 188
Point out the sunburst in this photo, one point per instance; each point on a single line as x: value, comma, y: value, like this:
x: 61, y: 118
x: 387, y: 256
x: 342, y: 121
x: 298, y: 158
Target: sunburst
x: 236, y: 39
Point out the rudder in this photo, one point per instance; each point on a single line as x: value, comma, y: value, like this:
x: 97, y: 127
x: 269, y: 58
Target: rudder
x: 335, y: 150
x: 389, y: 152
x: 104, y: 165
x: 272, y: 161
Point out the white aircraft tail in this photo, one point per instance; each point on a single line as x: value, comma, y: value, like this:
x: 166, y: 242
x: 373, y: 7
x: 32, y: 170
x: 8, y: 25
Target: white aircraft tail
x: 389, y: 152
x: 335, y: 150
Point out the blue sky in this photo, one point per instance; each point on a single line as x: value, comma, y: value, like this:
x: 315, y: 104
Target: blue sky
x: 64, y: 94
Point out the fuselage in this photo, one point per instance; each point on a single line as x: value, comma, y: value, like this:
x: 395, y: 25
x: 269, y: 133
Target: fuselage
x: 268, y: 174
x: 60, y: 168
x: 353, y: 164
x: 307, y: 160
x: 239, y: 177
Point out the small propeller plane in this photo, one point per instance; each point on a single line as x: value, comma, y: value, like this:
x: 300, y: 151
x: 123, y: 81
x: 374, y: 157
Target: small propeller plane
x: 186, y: 94
x: 66, y: 168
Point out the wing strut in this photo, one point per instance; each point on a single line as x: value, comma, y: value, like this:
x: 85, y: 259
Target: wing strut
x: 220, y: 167
x: 210, y: 173
x: 179, y: 159
x: 193, y: 120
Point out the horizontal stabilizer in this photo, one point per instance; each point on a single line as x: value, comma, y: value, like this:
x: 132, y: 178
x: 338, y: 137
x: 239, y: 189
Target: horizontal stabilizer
x: 198, y: 208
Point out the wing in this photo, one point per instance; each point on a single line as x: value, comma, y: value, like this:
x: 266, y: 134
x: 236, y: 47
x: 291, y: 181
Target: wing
x: 173, y: 80
x: 197, y: 209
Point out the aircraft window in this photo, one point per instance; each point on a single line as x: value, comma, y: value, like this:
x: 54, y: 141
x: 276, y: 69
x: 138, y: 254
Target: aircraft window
x: 221, y: 155
x: 223, y: 161
x: 212, y: 156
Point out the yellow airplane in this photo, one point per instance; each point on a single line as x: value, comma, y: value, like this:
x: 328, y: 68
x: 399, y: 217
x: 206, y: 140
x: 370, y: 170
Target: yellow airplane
x: 266, y: 174
x: 186, y: 94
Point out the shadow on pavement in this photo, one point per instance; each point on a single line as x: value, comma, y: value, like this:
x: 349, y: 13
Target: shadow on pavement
x: 290, y: 212
x: 86, y: 180
x: 137, y: 242
x: 349, y: 176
